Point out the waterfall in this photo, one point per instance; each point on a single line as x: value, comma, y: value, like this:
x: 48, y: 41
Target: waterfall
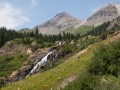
x: 44, y: 59
x: 60, y: 43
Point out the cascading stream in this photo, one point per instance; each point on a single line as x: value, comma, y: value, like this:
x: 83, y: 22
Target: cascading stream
x: 43, y: 60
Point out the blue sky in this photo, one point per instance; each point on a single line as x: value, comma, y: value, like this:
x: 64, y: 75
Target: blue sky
x: 18, y: 14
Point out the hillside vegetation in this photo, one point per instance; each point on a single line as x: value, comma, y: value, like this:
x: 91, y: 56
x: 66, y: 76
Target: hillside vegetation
x: 50, y: 78
x: 27, y: 30
x: 81, y: 30
x: 93, y: 60
x: 11, y: 63
x: 103, y: 70
x: 91, y: 76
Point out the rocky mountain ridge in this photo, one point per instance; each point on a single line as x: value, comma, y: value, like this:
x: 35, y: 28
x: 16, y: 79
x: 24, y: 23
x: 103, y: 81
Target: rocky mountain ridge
x: 58, y: 23
x: 63, y: 20
x: 104, y: 14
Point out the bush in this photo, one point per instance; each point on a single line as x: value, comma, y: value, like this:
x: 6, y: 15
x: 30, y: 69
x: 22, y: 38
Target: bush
x: 18, y: 41
x: 34, y: 47
x: 27, y: 41
x: 85, y: 81
x: 45, y: 44
x: 106, y: 60
x: 103, y: 35
x: 2, y: 83
x: 10, y: 63
x: 87, y: 42
x: 66, y: 48
x: 23, y: 41
x: 108, y: 82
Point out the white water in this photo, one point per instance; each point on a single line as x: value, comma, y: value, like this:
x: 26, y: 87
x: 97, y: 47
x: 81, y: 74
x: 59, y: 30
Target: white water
x: 60, y: 43
x: 44, y: 59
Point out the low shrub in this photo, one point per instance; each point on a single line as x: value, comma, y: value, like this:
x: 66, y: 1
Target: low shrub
x: 85, y: 81
x: 10, y: 63
x: 34, y: 47
x: 87, y: 42
x: 106, y: 60
x: 66, y: 48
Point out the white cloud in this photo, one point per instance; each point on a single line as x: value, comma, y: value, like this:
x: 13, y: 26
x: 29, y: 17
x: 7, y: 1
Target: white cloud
x: 34, y: 3
x: 10, y: 16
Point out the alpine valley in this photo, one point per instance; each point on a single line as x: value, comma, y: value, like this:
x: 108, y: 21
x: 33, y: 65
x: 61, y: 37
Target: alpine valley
x: 63, y: 53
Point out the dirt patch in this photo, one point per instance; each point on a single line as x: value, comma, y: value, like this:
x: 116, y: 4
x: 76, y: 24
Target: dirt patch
x: 116, y: 37
x: 66, y: 81
x: 81, y: 52
x: 29, y: 51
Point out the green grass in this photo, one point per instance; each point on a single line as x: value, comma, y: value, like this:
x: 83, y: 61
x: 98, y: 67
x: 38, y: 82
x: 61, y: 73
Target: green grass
x: 81, y: 29
x: 88, y: 41
x: 10, y: 63
x: 102, y: 73
x: 49, y: 79
x: 27, y: 30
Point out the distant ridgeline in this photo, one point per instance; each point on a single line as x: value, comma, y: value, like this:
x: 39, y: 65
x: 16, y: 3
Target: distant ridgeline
x: 8, y: 34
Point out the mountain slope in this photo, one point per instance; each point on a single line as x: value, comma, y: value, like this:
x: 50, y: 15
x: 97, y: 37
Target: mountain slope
x: 115, y: 23
x: 60, y: 22
x: 54, y: 76
x: 45, y: 81
x: 49, y: 79
x: 106, y: 13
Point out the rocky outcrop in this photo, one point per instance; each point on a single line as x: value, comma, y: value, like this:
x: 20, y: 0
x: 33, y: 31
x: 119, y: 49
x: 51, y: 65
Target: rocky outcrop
x: 18, y: 74
x: 51, y: 57
x: 32, y: 60
x: 60, y: 22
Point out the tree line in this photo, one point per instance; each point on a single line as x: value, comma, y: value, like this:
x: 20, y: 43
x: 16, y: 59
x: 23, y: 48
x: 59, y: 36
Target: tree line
x: 8, y: 34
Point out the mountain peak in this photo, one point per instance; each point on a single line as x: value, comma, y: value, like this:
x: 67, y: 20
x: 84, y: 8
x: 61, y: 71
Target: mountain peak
x: 60, y: 22
x: 107, y: 13
x: 113, y: 7
x: 110, y: 4
x: 62, y: 14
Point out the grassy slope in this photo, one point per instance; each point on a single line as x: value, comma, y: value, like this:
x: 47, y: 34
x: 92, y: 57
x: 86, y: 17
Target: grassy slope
x: 10, y: 63
x: 49, y: 79
x: 25, y: 30
x: 81, y: 29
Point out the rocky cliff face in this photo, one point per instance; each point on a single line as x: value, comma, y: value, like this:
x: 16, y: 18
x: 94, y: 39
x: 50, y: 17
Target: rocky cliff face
x: 106, y: 13
x: 60, y: 22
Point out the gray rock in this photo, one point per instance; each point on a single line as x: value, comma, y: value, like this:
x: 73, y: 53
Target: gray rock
x: 60, y: 22
x: 104, y: 14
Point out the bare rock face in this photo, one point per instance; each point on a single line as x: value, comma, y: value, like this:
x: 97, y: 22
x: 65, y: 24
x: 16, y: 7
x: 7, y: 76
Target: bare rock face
x: 52, y: 57
x: 106, y: 13
x: 11, y: 48
x: 60, y: 22
x: 18, y: 74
